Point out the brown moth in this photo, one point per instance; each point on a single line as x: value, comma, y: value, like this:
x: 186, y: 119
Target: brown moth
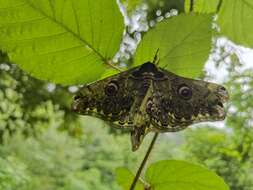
x: 148, y: 98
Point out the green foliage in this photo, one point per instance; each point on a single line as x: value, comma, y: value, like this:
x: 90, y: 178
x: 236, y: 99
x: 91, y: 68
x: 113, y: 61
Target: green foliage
x: 79, y: 44
x: 44, y: 146
x: 45, y: 158
x: 175, y: 174
x: 219, y: 151
x: 27, y: 104
x: 62, y: 41
x: 55, y: 160
x: 124, y: 178
x: 13, y: 174
x: 180, y: 175
x: 182, y: 51
x: 235, y: 21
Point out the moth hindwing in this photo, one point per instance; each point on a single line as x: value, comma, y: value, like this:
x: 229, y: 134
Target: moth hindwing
x: 147, y: 98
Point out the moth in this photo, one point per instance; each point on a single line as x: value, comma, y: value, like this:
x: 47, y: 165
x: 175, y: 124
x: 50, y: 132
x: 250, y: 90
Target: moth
x: 147, y: 99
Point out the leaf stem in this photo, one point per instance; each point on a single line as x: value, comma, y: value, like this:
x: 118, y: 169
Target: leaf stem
x: 143, y: 162
x: 219, y: 6
x: 110, y: 64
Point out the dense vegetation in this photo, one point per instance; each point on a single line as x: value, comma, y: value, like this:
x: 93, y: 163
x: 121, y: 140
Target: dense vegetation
x: 45, y: 146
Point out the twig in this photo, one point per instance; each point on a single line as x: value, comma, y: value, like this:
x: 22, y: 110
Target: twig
x: 144, y: 162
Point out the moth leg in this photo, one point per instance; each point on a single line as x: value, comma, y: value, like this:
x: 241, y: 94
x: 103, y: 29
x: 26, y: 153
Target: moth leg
x: 137, y: 136
x: 156, y: 58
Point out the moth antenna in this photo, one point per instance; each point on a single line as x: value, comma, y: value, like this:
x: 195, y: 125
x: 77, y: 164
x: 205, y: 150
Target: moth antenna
x: 156, y: 58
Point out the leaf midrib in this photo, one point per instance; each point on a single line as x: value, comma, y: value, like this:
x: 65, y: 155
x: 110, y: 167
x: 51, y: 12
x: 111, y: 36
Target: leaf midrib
x: 68, y: 30
x: 183, y: 40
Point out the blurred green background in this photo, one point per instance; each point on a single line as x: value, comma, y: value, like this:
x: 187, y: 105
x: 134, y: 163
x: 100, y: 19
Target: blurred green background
x: 44, y: 146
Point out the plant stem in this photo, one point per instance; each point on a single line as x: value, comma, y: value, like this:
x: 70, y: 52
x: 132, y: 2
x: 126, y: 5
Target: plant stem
x: 144, y: 162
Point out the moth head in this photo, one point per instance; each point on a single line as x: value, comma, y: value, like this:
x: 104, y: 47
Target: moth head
x: 193, y: 101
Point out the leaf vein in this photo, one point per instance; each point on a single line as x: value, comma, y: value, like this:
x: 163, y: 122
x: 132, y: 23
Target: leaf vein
x: 248, y: 4
x: 38, y: 37
x: 193, y: 53
x: 78, y: 58
x: 91, y: 22
x: 76, y: 18
x: 13, y: 7
x: 70, y: 31
x: 184, y: 39
x: 60, y: 50
x: 23, y: 22
x: 52, y: 8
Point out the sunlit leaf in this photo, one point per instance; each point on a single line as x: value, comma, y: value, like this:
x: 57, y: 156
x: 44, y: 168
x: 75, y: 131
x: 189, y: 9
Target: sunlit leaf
x: 202, y: 6
x: 125, y: 178
x: 65, y: 41
x: 109, y: 72
x: 181, y: 175
x: 184, y: 44
x: 235, y: 20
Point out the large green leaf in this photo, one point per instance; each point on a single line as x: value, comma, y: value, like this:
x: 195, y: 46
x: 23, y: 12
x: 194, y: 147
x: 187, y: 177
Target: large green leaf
x: 65, y: 41
x: 125, y: 178
x: 235, y: 20
x: 184, y: 44
x: 180, y: 175
x: 202, y: 6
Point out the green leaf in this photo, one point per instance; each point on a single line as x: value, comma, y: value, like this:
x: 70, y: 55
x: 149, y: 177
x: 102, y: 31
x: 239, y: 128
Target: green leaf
x: 202, y: 6
x: 109, y: 72
x: 235, y: 20
x: 181, y: 175
x: 184, y: 43
x: 125, y: 178
x: 64, y: 41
